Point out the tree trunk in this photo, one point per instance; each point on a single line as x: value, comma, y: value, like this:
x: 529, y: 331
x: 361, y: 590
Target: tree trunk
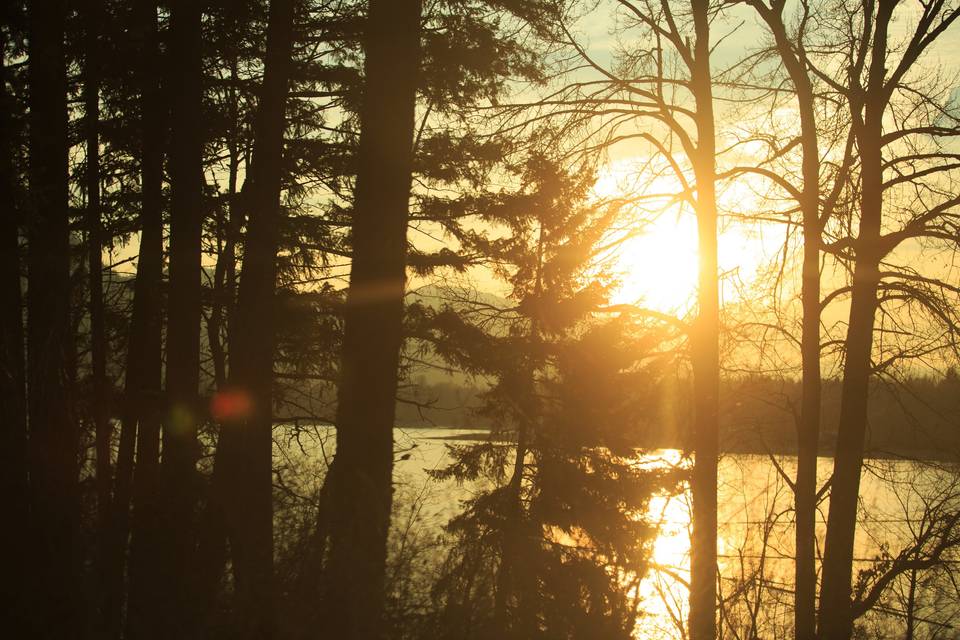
x: 835, y: 612
x: 98, y: 344
x: 53, y: 446
x: 705, y: 349
x: 836, y: 622
x: 13, y: 419
x: 835, y: 615
x: 511, y: 548
x: 212, y: 541
x: 808, y: 429
x: 215, y: 321
x: 308, y: 589
x: 244, y: 479
x: 373, y: 323
x: 793, y: 56
x: 179, y: 477
x: 911, y: 607
x: 140, y: 422
x: 225, y: 273
x: 523, y: 623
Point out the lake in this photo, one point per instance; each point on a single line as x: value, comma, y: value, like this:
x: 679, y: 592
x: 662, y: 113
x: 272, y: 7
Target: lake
x: 901, y: 500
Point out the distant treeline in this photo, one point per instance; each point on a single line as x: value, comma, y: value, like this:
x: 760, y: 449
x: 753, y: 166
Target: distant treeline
x: 918, y: 417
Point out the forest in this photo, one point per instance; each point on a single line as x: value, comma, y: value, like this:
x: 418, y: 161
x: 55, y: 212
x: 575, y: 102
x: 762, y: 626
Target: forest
x: 480, y: 319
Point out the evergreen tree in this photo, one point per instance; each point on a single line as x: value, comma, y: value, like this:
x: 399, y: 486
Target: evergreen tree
x: 551, y: 545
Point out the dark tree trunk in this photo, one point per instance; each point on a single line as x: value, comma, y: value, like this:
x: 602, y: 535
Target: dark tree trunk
x: 514, y: 581
x: 793, y: 56
x: 100, y: 409
x: 212, y: 541
x: 215, y: 321
x: 53, y: 446
x: 808, y: 429
x: 836, y: 620
x: 140, y: 421
x: 308, y: 589
x: 705, y: 348
x: 835, y: 615
x: 13, y: 419
x: 911, y: 607
x: 373, y: 323
x: 243, y: 478
x: 511, y: 548
x: 179, y: 477
x: 225, y: 273
x: 516, y: 578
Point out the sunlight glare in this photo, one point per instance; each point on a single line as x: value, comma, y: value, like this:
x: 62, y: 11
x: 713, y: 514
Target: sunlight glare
x: 657, y: 268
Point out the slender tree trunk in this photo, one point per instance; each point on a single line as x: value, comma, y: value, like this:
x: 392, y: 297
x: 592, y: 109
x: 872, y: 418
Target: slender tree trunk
x: 516, y: 578
x: 179, y: 477
x: 793, y: 56
x: 511, y: 548
x: 215, y: 321
x: 808, y: 435
x: 524, y: 621
x: 53, y: 446
x: 835, y: 615
x: 98, y: 344
x: 911, y: 607
x: 705, y: 348
x: 310, y: 576
x: 13, y: 418
x: 244, y: 475
x: 224, y: 277
x: 836, y: 622
x: 234, y: 224
x: 373, y: 323
x: 212, y: 541
x: 140, y: 422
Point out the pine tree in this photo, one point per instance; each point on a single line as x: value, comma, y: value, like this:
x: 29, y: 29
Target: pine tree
x: 548, y: 548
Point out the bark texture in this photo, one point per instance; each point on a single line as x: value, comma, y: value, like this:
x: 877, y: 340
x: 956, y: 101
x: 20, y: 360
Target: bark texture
x: 373, y: 320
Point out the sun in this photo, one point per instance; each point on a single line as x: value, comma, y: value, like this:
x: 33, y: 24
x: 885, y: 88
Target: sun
x: 658, y: 268
x: 657, y: 265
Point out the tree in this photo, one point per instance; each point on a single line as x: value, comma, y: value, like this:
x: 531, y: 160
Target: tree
x: 373, y: 320
x: 243, y: 477
x: 180, y: 484
x: 141, y: 408
x: 667, y: 81
x: 13, y: 412
x: 548, y: 545
x: 93, y: 18
x: 705, y: 355
x: 53, y: 446
x: 792, y: 51
x: 875, y: 82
